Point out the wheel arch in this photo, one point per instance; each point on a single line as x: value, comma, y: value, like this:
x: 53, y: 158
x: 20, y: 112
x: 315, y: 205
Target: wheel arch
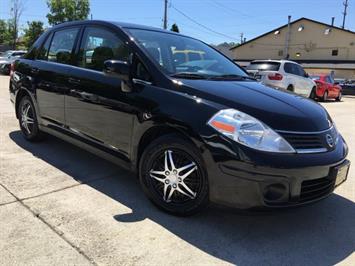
x: 158, y: 131
x: 24, y: 92
x: 20, y: 94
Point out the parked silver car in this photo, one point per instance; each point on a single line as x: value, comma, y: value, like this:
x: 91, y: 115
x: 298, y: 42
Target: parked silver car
x: 7, y: 58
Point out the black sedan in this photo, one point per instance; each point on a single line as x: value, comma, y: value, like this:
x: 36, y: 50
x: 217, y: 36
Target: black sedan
x: 195, y: 131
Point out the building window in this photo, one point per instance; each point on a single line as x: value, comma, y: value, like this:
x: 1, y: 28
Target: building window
x: 335, y: 52
x: 281, y: 53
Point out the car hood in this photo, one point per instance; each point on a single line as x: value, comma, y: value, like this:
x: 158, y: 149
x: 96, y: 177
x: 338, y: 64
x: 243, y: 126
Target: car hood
x: 279, y: 109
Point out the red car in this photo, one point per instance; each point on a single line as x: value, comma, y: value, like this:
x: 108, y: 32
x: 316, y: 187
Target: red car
x: 327, y: 88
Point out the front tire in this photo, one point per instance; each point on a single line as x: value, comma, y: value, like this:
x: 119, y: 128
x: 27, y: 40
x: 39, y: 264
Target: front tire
x: 173, y: 176
x: 28, y: 120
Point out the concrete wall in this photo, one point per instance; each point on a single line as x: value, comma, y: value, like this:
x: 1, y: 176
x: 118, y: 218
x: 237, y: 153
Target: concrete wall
x: 311, y: 43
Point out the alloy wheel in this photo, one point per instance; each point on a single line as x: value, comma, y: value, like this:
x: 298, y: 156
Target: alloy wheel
x: 177, y: 177
x: 27, y: 119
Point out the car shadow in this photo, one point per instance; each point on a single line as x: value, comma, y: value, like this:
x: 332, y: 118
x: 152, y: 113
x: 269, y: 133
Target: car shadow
x: 320, y: 234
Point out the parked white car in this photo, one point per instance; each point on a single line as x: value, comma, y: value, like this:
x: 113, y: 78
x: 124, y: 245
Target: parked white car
x: 283, y: 74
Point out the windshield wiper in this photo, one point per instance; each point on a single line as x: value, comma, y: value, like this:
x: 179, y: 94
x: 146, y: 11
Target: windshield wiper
x: 188, y: 75
x: 231, y: 76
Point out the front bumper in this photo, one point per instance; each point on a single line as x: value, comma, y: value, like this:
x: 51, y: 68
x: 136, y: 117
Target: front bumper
x: 251, y: 179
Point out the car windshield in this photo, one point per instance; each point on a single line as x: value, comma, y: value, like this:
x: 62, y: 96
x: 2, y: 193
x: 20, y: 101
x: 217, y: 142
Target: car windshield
x: 185, y: 57
x: 264, y: 66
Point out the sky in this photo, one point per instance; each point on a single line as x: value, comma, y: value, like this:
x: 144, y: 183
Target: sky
x: 213, y: 21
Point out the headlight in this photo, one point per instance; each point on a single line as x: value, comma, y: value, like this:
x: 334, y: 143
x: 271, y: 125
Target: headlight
x: 249, y: 131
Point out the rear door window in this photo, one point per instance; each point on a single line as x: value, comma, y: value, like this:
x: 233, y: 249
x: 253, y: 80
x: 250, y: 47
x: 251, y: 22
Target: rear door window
x: 289, y: 68
x: 264, y: 66
x: 62, y: 45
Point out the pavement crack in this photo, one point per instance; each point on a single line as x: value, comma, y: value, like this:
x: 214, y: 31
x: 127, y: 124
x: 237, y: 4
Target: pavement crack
x: 56, y: 231
x: 63, y: 188
x: 6, y: 203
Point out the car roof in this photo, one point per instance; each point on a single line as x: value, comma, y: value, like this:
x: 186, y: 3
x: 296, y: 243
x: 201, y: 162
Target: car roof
x: 274, y: 61
x: 118, y: 24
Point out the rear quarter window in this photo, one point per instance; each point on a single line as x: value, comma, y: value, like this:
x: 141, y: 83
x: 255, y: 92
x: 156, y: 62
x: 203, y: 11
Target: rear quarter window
x: 62, y: 44
x: 43, y: 51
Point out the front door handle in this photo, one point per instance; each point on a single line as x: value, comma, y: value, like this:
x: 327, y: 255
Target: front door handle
x: 74, y: 81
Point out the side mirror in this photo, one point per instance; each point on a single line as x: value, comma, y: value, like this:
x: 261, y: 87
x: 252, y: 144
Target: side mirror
x: 119, y: 69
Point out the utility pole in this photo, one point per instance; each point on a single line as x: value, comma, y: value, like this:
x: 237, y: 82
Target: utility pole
x: 287, y: 40
x: 344, y: 13
x: 165, y: 14
x: 241, y: 37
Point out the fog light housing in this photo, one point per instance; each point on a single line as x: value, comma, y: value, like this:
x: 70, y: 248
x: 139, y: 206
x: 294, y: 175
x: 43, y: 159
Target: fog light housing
x: 275, y: 192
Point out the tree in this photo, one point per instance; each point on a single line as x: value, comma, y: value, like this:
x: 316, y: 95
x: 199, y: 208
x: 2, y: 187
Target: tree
x: 67, y: 10
x: 175, y: 28
x: 32, y: 32
x: 16, y: 12
x: 4, y: 32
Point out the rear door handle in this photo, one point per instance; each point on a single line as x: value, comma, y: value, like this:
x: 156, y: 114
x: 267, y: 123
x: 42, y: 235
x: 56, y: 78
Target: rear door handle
x: 34, y: 70
x: 74, y: 81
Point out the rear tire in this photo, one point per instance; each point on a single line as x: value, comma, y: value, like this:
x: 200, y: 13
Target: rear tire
x: 325, y: 96
x: 340, y: 95
x: 28, y: 120
x: 173, y: 176
x: 313, y: 93
x: 290, y: 88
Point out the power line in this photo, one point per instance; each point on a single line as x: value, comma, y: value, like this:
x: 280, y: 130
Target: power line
x: 229, y: 9
x: 201, y: 25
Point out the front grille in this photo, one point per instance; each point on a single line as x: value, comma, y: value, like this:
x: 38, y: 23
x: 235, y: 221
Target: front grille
x: 308, y: 142
x: 316, y: 188
x: 298, y: 141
